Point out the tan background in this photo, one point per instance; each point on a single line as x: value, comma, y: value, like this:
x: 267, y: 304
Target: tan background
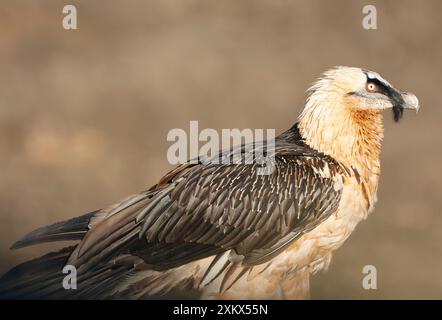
x: 84, y: 114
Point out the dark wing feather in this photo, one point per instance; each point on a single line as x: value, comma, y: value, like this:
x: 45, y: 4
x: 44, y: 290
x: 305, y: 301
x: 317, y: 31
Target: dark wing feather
x: 206, y: 209
x: 72, y: 229
x: 256, y: 215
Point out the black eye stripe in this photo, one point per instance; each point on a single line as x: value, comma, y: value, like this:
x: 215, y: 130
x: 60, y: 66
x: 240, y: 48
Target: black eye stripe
x: 381, y: 88
x: 395, y: 97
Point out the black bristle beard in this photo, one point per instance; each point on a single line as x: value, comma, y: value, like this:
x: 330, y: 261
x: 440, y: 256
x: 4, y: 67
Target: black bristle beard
x: 398, y: 112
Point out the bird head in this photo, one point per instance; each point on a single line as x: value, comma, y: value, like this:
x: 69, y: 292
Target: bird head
x: 363, y: 89
x: 342, y: 116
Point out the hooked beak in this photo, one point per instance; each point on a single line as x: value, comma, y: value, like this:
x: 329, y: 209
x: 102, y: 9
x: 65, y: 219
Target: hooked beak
x: 410, y: 101
x: 404, y: 100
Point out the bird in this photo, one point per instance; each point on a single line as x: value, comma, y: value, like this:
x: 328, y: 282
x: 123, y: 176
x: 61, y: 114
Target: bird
x: 222, y: 230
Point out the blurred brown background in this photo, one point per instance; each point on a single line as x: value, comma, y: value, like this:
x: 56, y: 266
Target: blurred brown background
x: 84, y: 114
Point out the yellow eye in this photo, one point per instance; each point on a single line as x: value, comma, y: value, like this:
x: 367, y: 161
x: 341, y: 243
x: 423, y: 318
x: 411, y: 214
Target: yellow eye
x: 371, y: 87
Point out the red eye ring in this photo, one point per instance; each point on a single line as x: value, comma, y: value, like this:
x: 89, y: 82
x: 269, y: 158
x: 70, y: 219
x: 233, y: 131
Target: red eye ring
x: 371, y: 87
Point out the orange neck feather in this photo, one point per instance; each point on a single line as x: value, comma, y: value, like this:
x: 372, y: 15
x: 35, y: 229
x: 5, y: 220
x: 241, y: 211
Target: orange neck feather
x: 351, y: 136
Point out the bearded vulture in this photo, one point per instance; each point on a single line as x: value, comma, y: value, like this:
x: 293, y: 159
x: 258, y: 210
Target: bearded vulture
x: 223, y: 230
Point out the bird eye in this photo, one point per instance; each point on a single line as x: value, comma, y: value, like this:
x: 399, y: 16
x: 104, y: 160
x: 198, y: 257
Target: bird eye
x: 371, y: 87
